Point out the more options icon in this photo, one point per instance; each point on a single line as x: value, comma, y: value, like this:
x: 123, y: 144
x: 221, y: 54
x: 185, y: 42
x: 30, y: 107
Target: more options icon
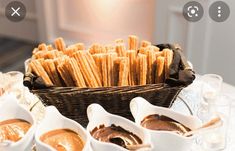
x: 15, y: 11
x: 193, y: 11
x: 219, y: 11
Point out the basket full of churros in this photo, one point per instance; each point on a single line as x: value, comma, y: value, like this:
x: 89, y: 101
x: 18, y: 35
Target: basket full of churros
x: 72, y: 77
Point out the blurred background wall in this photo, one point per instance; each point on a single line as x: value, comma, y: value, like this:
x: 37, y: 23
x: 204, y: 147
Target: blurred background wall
x: 207, y: 44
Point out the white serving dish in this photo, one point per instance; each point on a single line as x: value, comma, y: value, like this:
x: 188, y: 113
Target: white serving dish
x: 97, y: 116
x: 54, y: 120
x: 164, y: 140
x: 10, y: 109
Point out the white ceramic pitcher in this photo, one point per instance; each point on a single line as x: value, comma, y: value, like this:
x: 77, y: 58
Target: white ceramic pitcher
x: 164, y: 140
x: 97, y: 116
x: 54, y: 120
x: 10, y: 109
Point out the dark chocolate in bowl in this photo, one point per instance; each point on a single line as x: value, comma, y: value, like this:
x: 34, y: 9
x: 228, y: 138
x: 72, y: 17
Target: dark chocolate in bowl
x: 163, y: 123
x: 13, y: 129
x: 116, y: 135
x: 63, y: 140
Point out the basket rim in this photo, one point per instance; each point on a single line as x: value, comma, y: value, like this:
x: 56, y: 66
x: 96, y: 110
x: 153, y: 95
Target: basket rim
x: 160, y: 85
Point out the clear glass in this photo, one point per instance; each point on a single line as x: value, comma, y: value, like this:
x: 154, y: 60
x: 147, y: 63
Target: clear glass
x: 1, y: 84
x: 192, y: 95
x: 216, y: 139
x: 231, y: 130
x: 211, y: 87
x: 5, y: 85
x: 15, y: 83
x: 16, y: 77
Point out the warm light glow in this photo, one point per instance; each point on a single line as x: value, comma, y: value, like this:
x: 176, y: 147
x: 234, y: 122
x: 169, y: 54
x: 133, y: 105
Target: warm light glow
x: 106, y: 20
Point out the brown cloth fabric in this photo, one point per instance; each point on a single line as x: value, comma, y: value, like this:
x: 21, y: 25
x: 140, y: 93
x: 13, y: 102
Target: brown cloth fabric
x: 180, y: 71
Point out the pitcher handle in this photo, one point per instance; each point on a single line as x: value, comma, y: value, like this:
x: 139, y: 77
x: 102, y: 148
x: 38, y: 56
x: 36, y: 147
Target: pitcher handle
x: 136, y: 104
x: 95, y: 110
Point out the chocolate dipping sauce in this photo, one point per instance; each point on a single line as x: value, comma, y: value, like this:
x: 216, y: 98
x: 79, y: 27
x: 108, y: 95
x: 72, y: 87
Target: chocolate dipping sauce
x: 163, y: 123
x: 63, y: 140
x: 13, y: 129
x: 115, y: 134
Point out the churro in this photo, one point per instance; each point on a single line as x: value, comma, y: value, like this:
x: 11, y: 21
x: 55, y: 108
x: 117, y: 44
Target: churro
x: 42, y: 47
x: 145, y: 43
x: 97, y: 58
x: 37, y: 68
x: 117, y: 41
x: 150, y: 65
x: 133, y: 42
x: 104, y: 70
x: 60, y: 44
x: 75, y: 72
x: 51, y: 70
x: 120, y: 49
x: 94, y: 68
x: 50, y: 47
x: 141, y: 65
x: 64, y: 73
x: 168, y: 54
x: 160, y: 75
x: 131, y: 54
x: 85, y: 69
x: 121, y: 71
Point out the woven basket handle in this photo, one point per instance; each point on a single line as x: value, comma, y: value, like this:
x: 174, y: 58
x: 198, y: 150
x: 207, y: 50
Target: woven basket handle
x: 33, y: 82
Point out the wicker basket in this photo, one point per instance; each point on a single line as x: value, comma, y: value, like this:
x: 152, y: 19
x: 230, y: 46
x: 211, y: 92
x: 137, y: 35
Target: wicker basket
x: 73, y: 101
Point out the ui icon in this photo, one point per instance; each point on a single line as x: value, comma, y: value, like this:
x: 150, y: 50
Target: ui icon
x: 219, y: 11
x: 15, y: 11
x: 193, y: 11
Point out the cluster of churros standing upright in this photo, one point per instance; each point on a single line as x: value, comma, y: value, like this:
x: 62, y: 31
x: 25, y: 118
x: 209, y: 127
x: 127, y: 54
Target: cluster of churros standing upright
x: 140, y: 63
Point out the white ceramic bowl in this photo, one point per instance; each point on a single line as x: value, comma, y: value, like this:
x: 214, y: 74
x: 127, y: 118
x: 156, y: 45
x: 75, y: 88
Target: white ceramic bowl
x: 164, y: 140
x: 54, y: 120
x: 10, y: 109
x: 98, y: 116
